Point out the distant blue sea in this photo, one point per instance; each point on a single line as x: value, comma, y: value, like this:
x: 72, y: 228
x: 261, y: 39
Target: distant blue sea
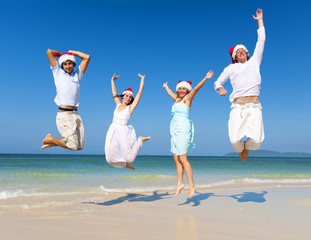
x: 23, y: 175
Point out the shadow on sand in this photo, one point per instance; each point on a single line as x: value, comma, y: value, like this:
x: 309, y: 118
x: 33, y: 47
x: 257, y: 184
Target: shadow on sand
x: 250, y: 197
x: 133, y: 197
x: 195, y: 201
x: 243, y: 197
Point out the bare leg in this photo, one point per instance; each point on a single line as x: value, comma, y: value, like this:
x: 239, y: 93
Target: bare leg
x: 180, y: 175
x: 129, y: 166
x: 50, y: 141
x: 241, y: 154
x: 188, y: 169
x: 244, y: 154
x: 144, y: 139
x: 48, y: 145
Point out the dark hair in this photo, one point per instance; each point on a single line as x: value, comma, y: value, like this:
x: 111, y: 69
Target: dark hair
x: 121, y: 96
x: 69, y: 61
x: 237, y: 60
x: 247, y: 57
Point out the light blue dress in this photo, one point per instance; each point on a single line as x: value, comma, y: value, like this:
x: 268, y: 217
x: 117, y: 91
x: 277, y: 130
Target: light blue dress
x: 181, y: 129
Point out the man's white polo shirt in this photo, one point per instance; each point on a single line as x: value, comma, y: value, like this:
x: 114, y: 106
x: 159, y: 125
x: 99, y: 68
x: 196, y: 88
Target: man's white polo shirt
x: 67, y: 86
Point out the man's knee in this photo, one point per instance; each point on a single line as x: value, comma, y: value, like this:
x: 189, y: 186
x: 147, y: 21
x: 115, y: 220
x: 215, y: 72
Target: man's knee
x: 73, y: 145
x: 253, y: 144
x: 238, y: 145
x: 75, y: 148
x: 74, y: 142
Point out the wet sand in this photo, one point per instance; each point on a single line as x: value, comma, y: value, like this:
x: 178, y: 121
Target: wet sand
x: 242, y: 213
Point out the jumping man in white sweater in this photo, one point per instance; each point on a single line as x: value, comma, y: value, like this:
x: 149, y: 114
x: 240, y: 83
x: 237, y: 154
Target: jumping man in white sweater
x: 246, y: 111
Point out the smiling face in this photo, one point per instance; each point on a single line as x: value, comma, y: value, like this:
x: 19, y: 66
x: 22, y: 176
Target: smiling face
x: 182, y: 92
x: 68, y: 66
x: 127, y: 98
x: 241, y: 55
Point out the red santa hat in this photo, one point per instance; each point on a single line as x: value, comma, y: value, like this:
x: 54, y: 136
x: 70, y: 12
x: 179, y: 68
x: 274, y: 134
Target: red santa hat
x: 65, y: 57
x: 234, y: 49
x: 128, y: 90
x: 185, y: 84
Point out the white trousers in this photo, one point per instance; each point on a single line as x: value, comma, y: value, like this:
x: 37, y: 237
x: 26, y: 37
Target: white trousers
x: 246, y: 121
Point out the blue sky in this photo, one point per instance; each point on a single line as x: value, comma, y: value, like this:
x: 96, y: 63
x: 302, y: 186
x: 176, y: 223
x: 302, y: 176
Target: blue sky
x: 166, y: 41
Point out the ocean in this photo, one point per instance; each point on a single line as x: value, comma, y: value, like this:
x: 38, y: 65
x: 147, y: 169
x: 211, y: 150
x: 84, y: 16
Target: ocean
x: 27, y: 175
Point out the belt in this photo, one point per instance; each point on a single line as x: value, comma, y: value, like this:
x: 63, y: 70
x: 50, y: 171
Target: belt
x: 66, y: 109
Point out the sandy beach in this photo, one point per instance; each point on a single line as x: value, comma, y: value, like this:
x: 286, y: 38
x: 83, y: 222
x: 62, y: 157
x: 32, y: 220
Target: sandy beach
x: 237, y: 213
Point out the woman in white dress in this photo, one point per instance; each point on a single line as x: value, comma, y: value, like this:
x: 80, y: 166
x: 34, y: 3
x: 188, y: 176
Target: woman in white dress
x: 122, y: 146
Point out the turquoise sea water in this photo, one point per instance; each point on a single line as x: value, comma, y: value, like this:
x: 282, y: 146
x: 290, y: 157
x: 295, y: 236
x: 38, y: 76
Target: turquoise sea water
x: 33, y: 175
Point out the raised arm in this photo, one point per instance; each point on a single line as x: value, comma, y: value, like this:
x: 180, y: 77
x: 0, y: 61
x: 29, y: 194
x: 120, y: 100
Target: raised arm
x: 85, y: 59
x: 114, y: 89
x: 188, y: 99
x: 259, y: 17
x: 169, y: 91
x: 51, y: 55
x: 138, y: 95
x: 260, y: 45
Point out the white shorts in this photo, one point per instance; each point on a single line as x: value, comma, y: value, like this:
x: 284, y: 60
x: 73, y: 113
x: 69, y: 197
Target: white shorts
x: 246, y: 121
x: 70, y: 126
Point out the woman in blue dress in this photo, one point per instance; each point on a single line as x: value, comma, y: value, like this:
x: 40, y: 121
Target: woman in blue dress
x: 182, y: 129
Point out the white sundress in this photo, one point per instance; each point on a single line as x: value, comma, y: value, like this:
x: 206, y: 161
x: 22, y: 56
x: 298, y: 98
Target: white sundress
x: 121, y: 146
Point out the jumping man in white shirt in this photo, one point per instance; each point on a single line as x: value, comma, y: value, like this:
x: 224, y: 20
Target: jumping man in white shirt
x: 67, y: 82
x: 246, y: 111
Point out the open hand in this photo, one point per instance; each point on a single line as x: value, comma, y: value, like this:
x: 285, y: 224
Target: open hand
x: 259, y: 14
x: 210, y: 74
x: 141, y: 76
x: 114, y: 77
x: 164, y: 85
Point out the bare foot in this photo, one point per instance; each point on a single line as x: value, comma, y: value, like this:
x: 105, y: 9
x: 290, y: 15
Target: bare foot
x: 144, y: 139
x: 191, y: 191
x: 179, y: 188
x: 129, y: 166
x: 245, y: 154
x: 241, y: 154
x: 47, y: 146
x: 47, y: 139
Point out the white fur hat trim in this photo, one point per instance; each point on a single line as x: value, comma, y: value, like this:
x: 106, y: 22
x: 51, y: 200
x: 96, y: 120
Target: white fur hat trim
x: 184, y: 84
x: 237, y: 47
x: 128, y: 90
x: 65, y: 57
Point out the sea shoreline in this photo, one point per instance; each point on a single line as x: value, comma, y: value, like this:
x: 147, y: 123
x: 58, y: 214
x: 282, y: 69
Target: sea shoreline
x: 82, y: 197
x: 240, y: 213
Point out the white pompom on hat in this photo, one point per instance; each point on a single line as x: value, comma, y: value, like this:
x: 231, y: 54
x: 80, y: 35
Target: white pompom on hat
x: 234, y: 49
x: 128, y: 90
x: 65, y: 57
x: 185, y: 84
